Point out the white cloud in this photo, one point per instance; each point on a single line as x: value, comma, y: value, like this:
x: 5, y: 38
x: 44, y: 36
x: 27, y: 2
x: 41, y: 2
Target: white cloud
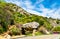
x: 39, y: 1
x: 28, y: 5
x: 54, y: 13
x: 15, y: 2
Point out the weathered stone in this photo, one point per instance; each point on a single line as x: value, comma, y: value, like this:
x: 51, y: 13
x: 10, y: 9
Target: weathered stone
x: 7, y: 36
x: 44, y: 30
x: 31, y: 24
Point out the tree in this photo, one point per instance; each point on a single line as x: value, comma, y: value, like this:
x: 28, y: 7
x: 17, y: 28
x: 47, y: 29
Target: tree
x: 5, y: 18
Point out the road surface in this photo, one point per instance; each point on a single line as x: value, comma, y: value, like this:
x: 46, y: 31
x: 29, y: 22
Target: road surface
x: 54, y: 36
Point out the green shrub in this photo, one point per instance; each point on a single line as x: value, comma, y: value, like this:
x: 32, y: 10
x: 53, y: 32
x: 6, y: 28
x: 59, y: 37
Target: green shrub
x: 28, y: 34
x: 15, y: 31
x: 57, y: 29
x: 48, y: 27
x: 38, y: 33
x: 1, y: 30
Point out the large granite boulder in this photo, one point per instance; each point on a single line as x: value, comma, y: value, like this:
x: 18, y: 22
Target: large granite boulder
x: 31, y: 25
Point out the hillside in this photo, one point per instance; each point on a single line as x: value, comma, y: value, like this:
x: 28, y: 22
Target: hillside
x: 11, y: 14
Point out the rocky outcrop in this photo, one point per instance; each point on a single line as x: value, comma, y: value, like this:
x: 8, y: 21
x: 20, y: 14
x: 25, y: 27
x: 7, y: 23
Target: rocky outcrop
x: 44, y: 30
x: 31, y: 25
x: 16, y: 8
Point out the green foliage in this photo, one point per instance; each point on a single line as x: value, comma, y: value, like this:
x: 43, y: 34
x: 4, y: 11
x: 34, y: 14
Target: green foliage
x: 38, y: 33
x: 1, y: 30
x: 15, y: 31
x: 29, y: 34
x: 57, y: 29
x: 57, y: 21
x: 18, y: 17
x: 5, y: 26
x: 5, y: 17
x: 47, y: 24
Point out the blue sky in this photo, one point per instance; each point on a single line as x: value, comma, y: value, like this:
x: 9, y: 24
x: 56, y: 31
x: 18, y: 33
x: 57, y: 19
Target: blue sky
x: 46, y: 8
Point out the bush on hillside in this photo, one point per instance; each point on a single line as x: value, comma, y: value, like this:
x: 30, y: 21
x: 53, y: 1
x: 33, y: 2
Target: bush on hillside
x: 1, y: 30
x: 56, y: 29
x: 15, y: 31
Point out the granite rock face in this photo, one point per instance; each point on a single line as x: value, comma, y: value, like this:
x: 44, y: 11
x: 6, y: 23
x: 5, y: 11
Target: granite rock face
x: 31, y: 24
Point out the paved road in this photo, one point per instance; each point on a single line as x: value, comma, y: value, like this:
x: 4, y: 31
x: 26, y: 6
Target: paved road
x: 55, y: 36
